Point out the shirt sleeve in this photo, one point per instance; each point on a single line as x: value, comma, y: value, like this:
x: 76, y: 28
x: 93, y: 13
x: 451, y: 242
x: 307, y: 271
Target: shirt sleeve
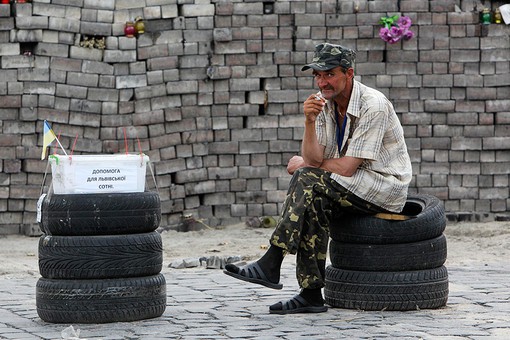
x: 320, y: 128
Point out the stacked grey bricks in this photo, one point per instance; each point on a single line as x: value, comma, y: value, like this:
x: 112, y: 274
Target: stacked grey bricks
x: 213, y: 91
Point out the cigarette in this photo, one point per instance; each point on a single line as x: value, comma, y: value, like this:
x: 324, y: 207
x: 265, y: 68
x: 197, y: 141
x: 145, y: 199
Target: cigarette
x: 319, y: 96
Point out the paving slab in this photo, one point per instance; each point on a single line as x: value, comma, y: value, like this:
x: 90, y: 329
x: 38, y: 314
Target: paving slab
x: 207, y: 304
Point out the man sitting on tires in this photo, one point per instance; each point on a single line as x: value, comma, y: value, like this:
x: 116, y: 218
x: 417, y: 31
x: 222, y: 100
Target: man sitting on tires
x: 354, y: 160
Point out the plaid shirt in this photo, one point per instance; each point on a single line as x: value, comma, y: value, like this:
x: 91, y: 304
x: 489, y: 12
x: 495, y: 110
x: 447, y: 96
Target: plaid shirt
x: 373, y: 132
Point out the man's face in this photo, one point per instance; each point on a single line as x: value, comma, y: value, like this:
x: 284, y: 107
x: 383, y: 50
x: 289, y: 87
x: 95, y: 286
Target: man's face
x: 332, y: 82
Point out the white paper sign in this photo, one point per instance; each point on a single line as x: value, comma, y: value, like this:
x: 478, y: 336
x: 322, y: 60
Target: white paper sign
x: 505, y: 13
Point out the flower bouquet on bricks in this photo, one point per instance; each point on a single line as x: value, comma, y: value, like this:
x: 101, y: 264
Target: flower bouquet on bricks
x: 395, y: 28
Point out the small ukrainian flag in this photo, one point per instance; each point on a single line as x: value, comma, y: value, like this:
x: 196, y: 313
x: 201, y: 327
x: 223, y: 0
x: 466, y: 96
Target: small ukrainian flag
x: 48, y: 137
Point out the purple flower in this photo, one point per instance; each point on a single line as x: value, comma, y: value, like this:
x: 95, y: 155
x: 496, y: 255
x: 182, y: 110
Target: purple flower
x: 408, y: 34
x: 396, y: 31
x: 404, y: 22
x: 384, y: 34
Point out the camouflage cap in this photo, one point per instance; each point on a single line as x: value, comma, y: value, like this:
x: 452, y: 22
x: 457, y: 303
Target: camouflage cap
x: 328, y: 56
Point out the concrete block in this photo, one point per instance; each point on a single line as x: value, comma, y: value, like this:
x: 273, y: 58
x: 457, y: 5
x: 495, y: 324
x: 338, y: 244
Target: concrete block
x: 103, y: 95
x: 96, y: 67
x: 21, y: 10
x: 152, y: 52
x: 162, y: 63
x: 71, y: 91
x: 83, y: 105
x: 133, y: 81
x: 35, y: 74
x: 102, y: 4
x: 64, y: 24
x: 169, y: 11
x: 83, y: 79
x: 152, y: 12
x: 48, y: 10
x: 104, y: 16
x: 126, y: 43
x: 30, y: 23
x: 271, y: 20
x: 197, y: 10
x: 113, y: 56
x: 27, y: 36
x: 51, y: 50
x: 8, y: 49
x: 95, y: 28
x: 222, y: 34
x: 496, y: 143
x: 77, y: 52
x: 7, y: 24
x: 5, y: 11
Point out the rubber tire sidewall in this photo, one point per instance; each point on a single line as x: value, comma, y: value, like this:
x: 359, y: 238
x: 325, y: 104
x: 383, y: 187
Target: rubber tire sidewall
x: 101, y: 301
x: 429, y: 221
x: 425, y: 254
x: 100, y: 214
x: 100, y: 257
x: 395, y: 291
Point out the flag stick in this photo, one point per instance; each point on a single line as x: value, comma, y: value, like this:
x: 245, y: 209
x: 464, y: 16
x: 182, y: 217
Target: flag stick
x: 65, y: 153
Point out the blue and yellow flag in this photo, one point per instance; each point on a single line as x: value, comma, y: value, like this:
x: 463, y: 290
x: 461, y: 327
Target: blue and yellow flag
x: 48, y: 137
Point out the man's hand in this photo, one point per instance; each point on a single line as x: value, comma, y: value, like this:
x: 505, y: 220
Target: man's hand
x: 295, y: 163
x: 312, y: 106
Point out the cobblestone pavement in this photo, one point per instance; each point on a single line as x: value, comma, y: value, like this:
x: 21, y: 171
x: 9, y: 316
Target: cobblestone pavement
x: 207, y: 304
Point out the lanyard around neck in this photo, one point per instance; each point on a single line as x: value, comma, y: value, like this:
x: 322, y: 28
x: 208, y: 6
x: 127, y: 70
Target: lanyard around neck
x: 340, y: 131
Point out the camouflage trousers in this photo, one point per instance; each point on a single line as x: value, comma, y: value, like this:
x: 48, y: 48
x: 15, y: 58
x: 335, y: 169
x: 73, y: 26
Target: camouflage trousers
x: 312, y: 201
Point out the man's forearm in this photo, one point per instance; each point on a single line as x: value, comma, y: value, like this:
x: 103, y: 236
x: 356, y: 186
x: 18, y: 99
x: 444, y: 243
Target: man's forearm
x: 311, y: 150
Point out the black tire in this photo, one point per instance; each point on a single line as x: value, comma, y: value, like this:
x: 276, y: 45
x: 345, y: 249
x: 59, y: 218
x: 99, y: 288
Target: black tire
x: 389, y: 257
x: 101, y: 301
x: 100, y: 214
x: 100, y: 257
x: 429, y: 221
x: 396, y: 291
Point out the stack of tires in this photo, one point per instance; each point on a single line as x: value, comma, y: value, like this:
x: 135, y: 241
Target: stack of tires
x: 379, y: 264
x: 100, y: 258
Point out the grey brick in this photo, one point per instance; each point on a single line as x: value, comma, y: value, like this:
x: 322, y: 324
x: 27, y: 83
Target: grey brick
x: 71, y: 91
x: 26, y: 74
x: 95, y: 28
x: 131, y: 81
x: 439, y: 105
x: 52, y: 50
x: 182, y: 87
x: 78, y: 78
x: 197, y: 10
x: 462, y: 143
x: 32, y: 22
x: 26, y: 36
x: 83, y: 105
x: 63, y: 24
x: 232, y: 47
x: 165, y: 102
x: 111, y: 56
x: 9, y: 49
x: 77, y: 52
x: 104, y: 95
x: 7, y: 24
x: 496, y: 143
x: 105, y: 4
x: 443, y: 80
x: 162, y: 63
x: 97, y: 67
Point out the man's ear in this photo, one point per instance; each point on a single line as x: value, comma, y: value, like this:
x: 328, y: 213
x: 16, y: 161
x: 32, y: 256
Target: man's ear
x: 350, y: 72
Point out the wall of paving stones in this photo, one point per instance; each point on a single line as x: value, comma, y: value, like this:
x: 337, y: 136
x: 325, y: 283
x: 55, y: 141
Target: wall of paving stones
x: 213, y: 92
